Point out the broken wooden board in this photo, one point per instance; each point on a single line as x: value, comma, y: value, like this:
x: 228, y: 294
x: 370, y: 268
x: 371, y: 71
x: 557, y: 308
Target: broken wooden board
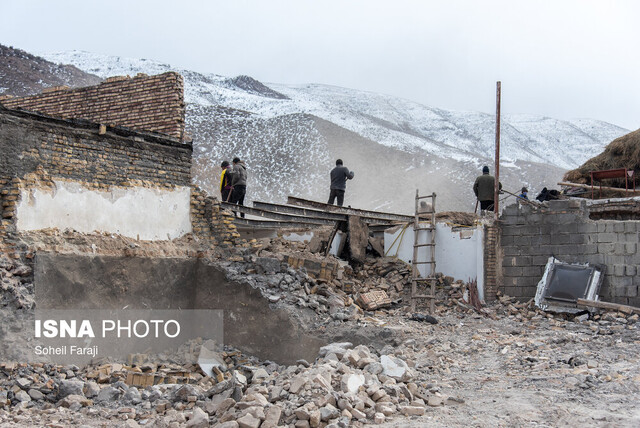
x: 377, y: 244
x: 607, y: 305
x: 367, y: 215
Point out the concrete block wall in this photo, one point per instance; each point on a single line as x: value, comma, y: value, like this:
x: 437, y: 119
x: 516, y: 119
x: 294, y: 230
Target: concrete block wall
x: 528, y: 237
x: 143, y: 103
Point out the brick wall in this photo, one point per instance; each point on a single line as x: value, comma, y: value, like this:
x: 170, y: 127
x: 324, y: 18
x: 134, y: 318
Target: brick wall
x: 143, y: 103
x: 80, y: 151
x: 492, y: 262
x: 566, y: 230
x: 210, y: 221
x: 36, y: 150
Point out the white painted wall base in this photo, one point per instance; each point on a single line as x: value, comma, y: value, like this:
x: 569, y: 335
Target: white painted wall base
x: 459, y: 254
x: 150, y: 214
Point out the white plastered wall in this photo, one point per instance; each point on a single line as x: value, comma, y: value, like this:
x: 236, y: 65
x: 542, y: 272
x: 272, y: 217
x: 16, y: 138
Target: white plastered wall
x: 136, y: 212
x: 459, y: 253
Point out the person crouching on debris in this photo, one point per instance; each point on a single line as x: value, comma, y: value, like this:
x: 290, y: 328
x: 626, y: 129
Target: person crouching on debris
x: 483, y: 188
x: 523, y: 194
x: 339, y: 176
x: 239, y: 183
x: 225, y: 181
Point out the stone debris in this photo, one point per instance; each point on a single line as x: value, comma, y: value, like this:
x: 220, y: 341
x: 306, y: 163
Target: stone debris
x: 342, y: 386
x: 421, y: 370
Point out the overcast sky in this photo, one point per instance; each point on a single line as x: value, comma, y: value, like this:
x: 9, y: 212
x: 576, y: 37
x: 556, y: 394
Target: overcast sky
x: 559, y: 58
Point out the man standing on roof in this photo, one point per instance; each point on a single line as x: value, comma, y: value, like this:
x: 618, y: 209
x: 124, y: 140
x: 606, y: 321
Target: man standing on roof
x: 484, y: 189
x: 239, y: 182
x: 339, y: 176
x: 225, y: 181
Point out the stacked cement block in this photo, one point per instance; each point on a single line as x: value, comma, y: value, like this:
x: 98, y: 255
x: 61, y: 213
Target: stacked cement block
x: 564, y: 230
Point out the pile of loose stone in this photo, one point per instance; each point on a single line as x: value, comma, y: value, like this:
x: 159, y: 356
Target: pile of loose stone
x: 345, y: 386
x: 265, y: 268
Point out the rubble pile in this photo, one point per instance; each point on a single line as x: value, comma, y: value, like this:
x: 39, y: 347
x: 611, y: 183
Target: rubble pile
x: 325, y: 284
x: 345, y: 386
x: 442, y: 366
x: 459, y: 370
x: 70, y: 241
x: 17, y: 284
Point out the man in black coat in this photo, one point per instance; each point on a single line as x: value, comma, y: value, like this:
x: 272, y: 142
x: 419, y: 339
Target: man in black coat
x: 484, y: 189
x: 339, y: 176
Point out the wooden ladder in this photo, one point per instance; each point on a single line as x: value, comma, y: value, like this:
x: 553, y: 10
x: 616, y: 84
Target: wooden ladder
x: 424, y: 288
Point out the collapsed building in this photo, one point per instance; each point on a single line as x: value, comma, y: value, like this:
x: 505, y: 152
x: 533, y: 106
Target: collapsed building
x: 84, y: 177
x: 98, y: 203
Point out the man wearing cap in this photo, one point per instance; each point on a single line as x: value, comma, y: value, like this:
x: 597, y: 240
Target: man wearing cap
x: 484, y: 189
x: 339, y: 176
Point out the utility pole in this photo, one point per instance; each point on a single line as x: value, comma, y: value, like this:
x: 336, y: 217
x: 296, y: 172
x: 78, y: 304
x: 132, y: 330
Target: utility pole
x: 496, y: 187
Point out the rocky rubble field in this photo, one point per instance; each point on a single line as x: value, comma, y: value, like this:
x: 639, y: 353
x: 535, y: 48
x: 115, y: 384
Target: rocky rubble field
x: 508, y: 364
x: 467, y: 370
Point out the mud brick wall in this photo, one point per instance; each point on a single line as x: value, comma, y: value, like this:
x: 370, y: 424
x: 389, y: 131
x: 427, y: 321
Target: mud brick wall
x: 7, y: 196
x: 37, y: 151
x: 143, y: 103
x: 83, y: 151
x: 567, y: 230
x: 212, y: 222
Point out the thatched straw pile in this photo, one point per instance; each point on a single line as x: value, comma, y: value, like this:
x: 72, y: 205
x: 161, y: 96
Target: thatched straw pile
x: 623, y: 152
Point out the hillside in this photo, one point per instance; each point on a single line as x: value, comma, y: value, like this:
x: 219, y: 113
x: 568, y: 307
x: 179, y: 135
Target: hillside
x: 23, y: 74
x: 290, y: 136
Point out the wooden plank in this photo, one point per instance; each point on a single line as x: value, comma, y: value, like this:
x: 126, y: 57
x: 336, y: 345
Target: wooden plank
x: 333, y: 235
x: 306, y: 212
x: 272, y: 224
x: 608, y: 305
x: 526, y: 201
x: 587, y: 186
x: 292, y: 200
x: 276, y: 216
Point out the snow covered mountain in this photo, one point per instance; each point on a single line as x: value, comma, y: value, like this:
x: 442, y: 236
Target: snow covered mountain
x: 290, y: 136
x: 23, y: 74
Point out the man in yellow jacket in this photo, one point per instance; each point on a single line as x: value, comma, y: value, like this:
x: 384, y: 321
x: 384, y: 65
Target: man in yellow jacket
x: 225, y: 181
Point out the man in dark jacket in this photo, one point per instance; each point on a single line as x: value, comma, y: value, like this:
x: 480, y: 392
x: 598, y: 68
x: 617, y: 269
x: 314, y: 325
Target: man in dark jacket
x: 239, y: 182
x: 339, y: 176
x: 484, y: 189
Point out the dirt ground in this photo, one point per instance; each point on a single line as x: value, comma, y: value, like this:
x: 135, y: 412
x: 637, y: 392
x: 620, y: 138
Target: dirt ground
x: 517, y: 372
